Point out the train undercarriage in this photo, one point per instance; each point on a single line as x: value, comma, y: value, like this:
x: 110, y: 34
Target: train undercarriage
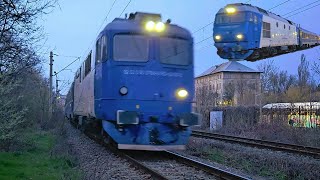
x: 151, y: 136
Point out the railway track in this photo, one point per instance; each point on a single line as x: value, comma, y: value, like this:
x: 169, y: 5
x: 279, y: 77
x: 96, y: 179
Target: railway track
x: 303, y: 150
x: 175, y: 166
x: 167, y: 164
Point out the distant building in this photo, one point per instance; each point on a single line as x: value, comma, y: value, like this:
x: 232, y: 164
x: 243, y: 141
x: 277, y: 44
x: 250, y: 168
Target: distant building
x: 228, y: 84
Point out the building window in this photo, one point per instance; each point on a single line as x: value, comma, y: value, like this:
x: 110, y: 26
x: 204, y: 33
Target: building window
x: 266, y: 30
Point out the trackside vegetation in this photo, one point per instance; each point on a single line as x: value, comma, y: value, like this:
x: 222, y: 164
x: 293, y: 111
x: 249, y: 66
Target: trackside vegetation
x: 38, y: 159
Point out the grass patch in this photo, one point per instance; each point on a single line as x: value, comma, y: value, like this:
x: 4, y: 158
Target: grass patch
x: 216, y: 156
x: 36, y: 162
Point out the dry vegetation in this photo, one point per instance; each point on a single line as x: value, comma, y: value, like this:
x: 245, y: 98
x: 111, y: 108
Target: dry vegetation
x: 256, y: 162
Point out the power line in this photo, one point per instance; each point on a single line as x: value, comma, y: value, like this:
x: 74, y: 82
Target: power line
x: 78, y: 58
x: 202, y: 28
x: 303, y: 10
x: 203, y: 40
x: 97, y: 33
x: 125, y: 8
x: 107, y: 15
x: 300, y: 8
x: 279, y: 4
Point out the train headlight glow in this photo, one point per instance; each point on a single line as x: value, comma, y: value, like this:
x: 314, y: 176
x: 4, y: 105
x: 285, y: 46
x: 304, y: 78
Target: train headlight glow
x: 231, y: 10
x: 181, y: 93
x: 123, y: 90
x: 150, y: 25
x: 239, y: 36
x: 217, y: 37
x: 160, y: 27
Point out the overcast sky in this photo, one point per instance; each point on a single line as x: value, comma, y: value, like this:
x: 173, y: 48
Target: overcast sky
x: 73, y: 26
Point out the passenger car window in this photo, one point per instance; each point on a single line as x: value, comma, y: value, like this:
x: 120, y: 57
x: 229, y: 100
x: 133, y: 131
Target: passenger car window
x: 133, y: 48
x: 266, y: 30
x: 88, y: 65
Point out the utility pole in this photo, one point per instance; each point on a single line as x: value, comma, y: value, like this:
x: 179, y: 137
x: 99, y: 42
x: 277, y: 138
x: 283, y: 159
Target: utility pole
x: 50, y: 85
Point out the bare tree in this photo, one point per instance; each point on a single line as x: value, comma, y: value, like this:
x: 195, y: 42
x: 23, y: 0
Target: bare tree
x: 19, y: 32
x: 303, y: 72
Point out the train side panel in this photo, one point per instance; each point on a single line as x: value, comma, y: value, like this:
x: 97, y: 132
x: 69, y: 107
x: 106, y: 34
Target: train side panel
x: 277, y: 33
x: 84, y: 89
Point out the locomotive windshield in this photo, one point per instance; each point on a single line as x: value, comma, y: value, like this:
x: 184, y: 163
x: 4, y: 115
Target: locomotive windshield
x: 133, y: 48
x: 175, y: 51
x: 226, y: 18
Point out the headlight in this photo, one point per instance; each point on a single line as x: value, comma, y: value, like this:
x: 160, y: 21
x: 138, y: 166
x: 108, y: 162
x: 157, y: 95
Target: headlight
x: 217, y: 37
x: 123, y: 91
x: 230, y: 10
x: 239, y: 36
x: 181, y: 93
x: 160, y: 27
x: 150, y: 25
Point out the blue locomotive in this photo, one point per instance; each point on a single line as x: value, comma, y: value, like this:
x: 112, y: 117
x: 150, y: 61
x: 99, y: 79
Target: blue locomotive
x: 245, y: 32
x: 137, y: 83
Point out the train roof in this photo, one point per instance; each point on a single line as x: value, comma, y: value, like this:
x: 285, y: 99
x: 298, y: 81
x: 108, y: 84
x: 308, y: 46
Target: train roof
x: 309, y: 32
x: 249, y: 7
x: 135, y: 22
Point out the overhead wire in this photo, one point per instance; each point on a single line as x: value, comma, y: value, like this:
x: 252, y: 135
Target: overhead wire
x: 299, y: 9
x: 302, y: 11
x: 78, y: 58
x: 125, y: 8
x: 279, y: 5
x: 102, y: 23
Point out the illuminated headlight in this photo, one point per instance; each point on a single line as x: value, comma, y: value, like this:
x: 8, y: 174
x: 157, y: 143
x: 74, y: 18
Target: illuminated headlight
x: 217, y: 37
x: 181, y: 93
x: 160, y: 27
x: 150, y: 25
x: 123, y: 91
x: 239, y: 36
x: 230, y: 10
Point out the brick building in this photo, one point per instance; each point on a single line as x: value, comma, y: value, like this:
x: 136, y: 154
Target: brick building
x: 230, y: 83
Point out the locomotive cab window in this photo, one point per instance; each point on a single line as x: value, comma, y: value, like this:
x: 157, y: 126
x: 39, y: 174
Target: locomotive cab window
x: 101, y: 50
x: 175, y: 51
x: 132, y: 48
x: 225, y: 18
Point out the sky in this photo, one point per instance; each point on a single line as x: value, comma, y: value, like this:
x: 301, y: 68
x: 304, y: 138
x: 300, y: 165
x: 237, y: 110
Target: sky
x: 72, y: 27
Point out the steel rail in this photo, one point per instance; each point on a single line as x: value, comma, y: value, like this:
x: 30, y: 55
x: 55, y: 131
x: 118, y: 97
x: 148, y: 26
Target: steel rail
x: 98, y: 139
x: 219, y: 173
x: 303, y: 150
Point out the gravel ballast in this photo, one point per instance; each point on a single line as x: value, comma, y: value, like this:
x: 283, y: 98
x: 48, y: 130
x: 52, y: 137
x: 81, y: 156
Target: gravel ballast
x: 96, y: 162
x: 260, y: 163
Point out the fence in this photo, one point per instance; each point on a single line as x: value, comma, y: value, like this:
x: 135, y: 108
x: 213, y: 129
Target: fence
x: 296, y: 116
